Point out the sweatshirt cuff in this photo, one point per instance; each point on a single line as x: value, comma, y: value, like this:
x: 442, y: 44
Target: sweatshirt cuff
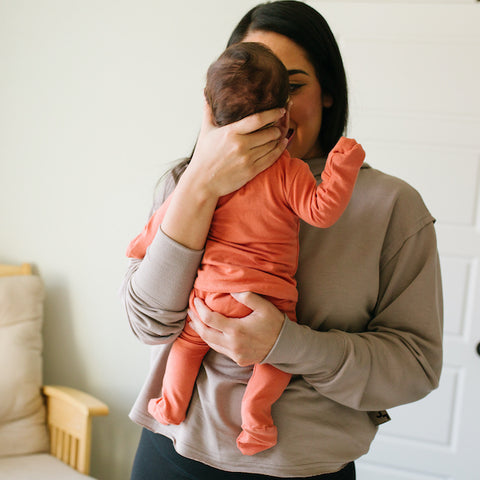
x: 167, y: 272
x: 282, y: 352
x: 299, y: 350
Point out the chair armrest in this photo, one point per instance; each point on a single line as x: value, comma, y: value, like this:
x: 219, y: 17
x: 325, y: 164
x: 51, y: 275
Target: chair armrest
x: 82, y: 401
x: 69, y: 420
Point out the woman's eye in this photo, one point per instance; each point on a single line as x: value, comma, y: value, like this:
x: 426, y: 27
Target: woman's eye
x: 295, y: 86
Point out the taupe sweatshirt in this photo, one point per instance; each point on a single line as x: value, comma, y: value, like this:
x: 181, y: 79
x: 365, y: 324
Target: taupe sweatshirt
x: 368, y: 338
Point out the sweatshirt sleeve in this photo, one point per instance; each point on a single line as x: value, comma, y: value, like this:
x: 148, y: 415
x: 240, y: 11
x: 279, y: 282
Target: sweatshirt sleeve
x: 322, y: 205
x: 398, y: 358
x: 157, y: 284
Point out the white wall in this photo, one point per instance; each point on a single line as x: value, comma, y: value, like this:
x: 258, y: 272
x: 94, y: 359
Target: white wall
x: 96, y: 98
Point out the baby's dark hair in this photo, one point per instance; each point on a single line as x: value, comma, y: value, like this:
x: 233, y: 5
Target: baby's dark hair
x: 247, y: 78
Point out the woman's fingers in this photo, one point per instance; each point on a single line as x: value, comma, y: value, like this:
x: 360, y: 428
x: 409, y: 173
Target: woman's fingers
x: 268, y: 154
x: 245, y: 340
x: 203, y: 321
x: 253, y: 123
x: 266, y: 136
x: 251, y: 300
x: 213, y: 322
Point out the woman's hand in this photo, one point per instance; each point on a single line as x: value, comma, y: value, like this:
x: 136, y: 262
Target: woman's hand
x: 226, y: 158
x: 246, y: 340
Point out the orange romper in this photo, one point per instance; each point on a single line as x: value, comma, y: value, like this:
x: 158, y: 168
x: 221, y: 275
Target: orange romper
x: 253, y: 246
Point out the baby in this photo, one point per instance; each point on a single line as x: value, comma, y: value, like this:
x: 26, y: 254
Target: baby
x: 253, y: 239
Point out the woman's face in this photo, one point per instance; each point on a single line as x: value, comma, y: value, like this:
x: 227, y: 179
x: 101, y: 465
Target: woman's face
x: 306, y: 96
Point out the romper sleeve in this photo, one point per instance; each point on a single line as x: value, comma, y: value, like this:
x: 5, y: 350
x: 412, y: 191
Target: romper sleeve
x: 398, y: 358
x: 322, y: 205
x: 158, y: 282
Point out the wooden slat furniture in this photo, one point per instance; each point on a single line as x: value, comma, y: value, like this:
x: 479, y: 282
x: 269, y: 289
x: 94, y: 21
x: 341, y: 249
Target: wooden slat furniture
x: 69, y: 420
x: 69, y: 411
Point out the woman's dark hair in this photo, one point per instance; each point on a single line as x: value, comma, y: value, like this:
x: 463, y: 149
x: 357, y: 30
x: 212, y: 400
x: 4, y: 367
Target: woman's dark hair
x: 309, y: 30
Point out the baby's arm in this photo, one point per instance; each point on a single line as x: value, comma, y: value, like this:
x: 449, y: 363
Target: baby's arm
x: 138, y: 246
x: 322, y: 205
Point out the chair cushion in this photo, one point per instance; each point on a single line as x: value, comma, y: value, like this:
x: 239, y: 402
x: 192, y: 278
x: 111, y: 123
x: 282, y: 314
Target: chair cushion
x: 40, y: 467
x: 22, y: 411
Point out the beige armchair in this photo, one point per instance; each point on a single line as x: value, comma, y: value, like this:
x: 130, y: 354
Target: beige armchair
x: 45, y: 431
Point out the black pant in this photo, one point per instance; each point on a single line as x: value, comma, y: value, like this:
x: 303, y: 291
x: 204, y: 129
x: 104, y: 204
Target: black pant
x: 156, y: 459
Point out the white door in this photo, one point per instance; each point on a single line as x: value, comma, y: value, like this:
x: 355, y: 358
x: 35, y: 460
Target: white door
x: 414, y: 77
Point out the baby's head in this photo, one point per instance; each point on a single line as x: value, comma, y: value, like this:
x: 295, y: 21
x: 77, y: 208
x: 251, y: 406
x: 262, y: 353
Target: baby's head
x: 247, y: 78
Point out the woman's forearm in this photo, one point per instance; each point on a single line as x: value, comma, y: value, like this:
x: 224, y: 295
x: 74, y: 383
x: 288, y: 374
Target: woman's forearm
x: 188, y: 217
x: 155, y: 290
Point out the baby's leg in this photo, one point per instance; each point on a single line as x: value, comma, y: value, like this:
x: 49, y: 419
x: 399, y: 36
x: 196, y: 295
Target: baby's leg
x: 264, y: 388
x: 184, y: 361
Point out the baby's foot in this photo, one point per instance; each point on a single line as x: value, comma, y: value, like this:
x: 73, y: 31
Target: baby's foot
x: 253, y: 440
x: 163, y: 413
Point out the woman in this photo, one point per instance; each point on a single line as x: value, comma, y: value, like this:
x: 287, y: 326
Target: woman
x: 369, y: 314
